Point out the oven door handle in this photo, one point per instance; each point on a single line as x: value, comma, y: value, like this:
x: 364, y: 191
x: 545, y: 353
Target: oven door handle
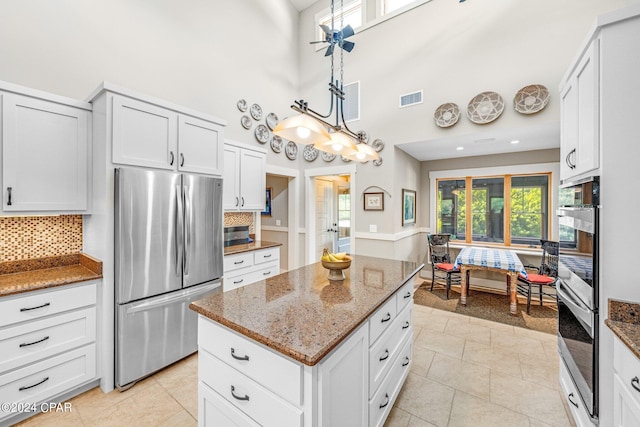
x: 577, y: 307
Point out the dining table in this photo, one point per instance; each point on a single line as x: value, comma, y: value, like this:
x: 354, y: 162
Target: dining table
x: 491, y: 259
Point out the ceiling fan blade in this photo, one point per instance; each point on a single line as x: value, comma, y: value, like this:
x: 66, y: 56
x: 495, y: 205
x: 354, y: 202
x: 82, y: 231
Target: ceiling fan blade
x: 326, y: 29
x: 347, y: 45
x: 347, y: 32
x: 318, y: 41
x: 329, y: 50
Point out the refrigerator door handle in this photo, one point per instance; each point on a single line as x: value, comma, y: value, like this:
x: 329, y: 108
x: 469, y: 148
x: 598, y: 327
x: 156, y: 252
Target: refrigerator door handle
x: 188, y: 220
x: 170, y: 298
x: 179, y: 230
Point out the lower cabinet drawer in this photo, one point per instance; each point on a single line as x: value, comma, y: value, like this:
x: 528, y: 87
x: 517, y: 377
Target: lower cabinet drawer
x: 280, y: 375
x: 382, y: 319
x: 245, y: 394
x: 266, y: 255
x: 215, y: 411
x: 267, y: 270
x: 40, y: 381
x: 572, y: 397
x: 382, y: 402
x: 236, y: 261
x: 239, y: 278
x: 31, y: 341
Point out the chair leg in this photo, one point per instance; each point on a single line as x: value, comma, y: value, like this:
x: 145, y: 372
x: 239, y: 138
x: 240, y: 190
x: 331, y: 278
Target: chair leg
x: 433, y: 278
x: 448, y: 284
x: 529, y: 299
x: 540, y: 290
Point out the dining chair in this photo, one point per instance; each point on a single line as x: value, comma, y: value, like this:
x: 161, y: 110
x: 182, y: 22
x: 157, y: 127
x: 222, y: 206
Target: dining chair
x: 546, y: 275
x: 441, y: 265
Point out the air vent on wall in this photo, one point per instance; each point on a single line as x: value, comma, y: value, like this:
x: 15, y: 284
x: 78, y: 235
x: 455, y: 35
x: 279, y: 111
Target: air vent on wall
x: 351, y: 105
x: 411, y: 99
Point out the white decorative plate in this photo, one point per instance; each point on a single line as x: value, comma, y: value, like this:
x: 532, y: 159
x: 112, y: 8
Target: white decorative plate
x: 377, y: 145
x: 531, y: 99
x: 364, y: 137
x: 377, y: 162
x: 485, y: 107
x: 447, y: 115
x: 276, y: 144
x: 328, y: 157
x: 242, y: 105
x: 271, y: 120
x: 262, y: 134
x: 256, y: 112
x: 310, y: 153
x: 246, y: 122
x: 291, y: 150
x: 344, y: 159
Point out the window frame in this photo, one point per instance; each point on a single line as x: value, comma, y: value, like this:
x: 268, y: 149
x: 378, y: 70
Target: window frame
x: 550, y: 169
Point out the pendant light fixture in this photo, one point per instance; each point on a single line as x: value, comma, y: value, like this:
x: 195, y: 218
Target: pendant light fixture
x: 311, y: 127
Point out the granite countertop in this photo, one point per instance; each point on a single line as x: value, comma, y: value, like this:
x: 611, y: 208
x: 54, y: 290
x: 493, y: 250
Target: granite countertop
x: 300, y: 313
x: 253, y: 246
x: 624, y: 321
x: 41, y: 273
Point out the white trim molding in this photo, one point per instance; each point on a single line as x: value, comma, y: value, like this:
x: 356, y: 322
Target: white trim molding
x: 391, y: 237
x: 275, y: 228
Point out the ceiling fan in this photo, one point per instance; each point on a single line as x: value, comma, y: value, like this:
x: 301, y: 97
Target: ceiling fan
x: 333, y: 37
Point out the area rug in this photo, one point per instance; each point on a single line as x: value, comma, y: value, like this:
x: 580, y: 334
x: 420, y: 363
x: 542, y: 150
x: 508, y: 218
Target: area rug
x: 491, y: 306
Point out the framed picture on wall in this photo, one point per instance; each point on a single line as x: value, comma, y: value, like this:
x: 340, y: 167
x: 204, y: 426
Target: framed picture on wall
x: 267, y: 208
x: 373, y: 201
x: 408, y: 207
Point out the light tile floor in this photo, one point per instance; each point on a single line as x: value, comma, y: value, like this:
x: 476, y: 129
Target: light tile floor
x: 466, y: 372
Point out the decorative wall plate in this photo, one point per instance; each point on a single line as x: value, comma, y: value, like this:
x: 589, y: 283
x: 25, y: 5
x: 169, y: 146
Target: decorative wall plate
x: 485, y: 107
x: 291, y: 150
x: 377, y: 162
x: 310, y: 153
x: 256, y: 111
x: 344, y: 159
x: 271, y: 120
x: 377, y: 145
x: 531, y: 99
x: 447, y: 115
x: 242, y: 105
x: 364, y: 137
x: 246, y: 122
x: 276, y: 143
x: 328, y: 157
x: 262, y: 134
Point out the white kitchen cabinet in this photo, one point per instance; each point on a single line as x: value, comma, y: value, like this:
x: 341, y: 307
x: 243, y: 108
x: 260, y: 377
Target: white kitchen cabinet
x: 45, y: 153
x: 572, y: 398
x: 153, y: 133
x: 245, y: 177
x: 248, y: 267
x: 48, y: 343
x: 580, y: 124
x: 626, y: 386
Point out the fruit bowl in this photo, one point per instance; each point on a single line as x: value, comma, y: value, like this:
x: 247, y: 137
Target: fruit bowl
x: 335, y: 268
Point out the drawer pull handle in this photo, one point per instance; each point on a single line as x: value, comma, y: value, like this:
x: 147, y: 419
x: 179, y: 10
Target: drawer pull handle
x: 9, y: 189
x: 46, y: 304
x: 386, y: 318
x: 386, y: 396
x: 245, y: 397
x: 406, y: 361
x: 386, y: 355
x: 266, y: 273
x: 570, y: 398
x: 267, y: 256
x: 635, y: 382
x: 408, y: 295
x: 238, y: 262
x: 233, y: 354
x: 237, y: 201
x: 27, y: 387
x: 238, y: 281
x: 172, y: 158
x: 27, y: 344
x: 406, y: 325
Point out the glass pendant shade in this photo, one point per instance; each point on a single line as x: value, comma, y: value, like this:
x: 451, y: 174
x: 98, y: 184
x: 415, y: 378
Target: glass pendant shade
x: 302, y: 129
x: 363, y: 153
x: 339, y: 144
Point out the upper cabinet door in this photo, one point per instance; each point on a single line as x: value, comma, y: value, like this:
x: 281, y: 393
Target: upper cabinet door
x: 143, y: 134
x: 44, y: 155
x: 200, y: 146
x: 231, y: 178
x: 253, y: 177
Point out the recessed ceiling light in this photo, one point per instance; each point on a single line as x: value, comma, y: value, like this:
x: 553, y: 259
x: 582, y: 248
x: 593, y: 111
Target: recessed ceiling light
x: 515, y: 141
x: 460, y: 148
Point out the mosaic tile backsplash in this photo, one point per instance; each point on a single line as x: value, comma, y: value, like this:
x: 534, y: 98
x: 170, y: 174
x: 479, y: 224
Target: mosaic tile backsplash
x: 240, y: 218
x: 23, y: 238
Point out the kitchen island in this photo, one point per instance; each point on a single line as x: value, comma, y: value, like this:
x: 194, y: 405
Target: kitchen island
x: 296, y: 349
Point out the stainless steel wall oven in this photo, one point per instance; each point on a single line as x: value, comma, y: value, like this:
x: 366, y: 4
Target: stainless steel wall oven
x: 577, y: 287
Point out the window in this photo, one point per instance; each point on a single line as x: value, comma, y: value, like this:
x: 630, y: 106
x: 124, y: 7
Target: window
x: 351, y: 103
x: 391, y: 5
x: 510, y: 210
x: 352, y: 15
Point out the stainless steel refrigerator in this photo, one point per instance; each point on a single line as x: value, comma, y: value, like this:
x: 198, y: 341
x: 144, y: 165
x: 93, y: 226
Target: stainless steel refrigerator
x: 168, y: 252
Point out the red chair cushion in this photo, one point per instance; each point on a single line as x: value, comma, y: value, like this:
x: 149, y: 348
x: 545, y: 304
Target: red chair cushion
x: 538, y: 279
x: 445, y: 266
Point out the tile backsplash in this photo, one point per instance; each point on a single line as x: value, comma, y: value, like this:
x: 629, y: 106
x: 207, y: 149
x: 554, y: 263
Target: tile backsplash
x: 23, y: 238
x: 240, y: 218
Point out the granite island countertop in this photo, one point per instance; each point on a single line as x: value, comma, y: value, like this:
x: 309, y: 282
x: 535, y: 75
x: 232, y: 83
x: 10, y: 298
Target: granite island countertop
x: 247, y: 247
x: 300, y: 313
x: 41, y: 273
x: 624, y: 321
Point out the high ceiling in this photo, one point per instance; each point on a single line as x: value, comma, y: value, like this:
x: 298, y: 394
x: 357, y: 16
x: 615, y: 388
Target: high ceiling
x: 301, y: 5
